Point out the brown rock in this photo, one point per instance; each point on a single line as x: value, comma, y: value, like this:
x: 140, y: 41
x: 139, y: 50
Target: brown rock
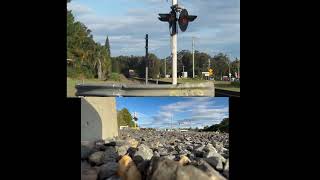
x: 184, y: 160
x: 127, y: 169
x: 164, y: 169
x: 190, y: 172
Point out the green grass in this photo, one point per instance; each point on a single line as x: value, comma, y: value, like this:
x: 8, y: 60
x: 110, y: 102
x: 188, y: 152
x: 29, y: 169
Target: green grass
x: 226, y: 85
x: 229, y: 88
x: 184, y: 80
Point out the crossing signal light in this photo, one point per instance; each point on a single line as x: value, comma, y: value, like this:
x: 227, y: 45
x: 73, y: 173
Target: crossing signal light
x: 184, y: 19
x: 171, y: 18
x: 164, y: 17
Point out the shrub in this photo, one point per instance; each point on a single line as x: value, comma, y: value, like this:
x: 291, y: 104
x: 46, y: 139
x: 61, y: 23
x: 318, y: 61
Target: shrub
x: 235, y: 84
x: 114, y: 77
x: 223, y: 126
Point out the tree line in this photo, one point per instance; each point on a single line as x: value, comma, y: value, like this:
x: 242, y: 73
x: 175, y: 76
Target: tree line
x: 223, y: 126
x: 124, y: 118
x: 219, y: 63
x: 86, y: 58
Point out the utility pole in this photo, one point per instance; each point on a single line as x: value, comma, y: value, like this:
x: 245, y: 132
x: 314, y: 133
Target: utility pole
x: 239, y: 69
x: 147, y: 62
x: 183, y: 20
x: 192, y: 57
x: 209, y: 63
x: 171, y: 120
x: 174, y: 50
x: 229, y: 72
x: 165, y: 67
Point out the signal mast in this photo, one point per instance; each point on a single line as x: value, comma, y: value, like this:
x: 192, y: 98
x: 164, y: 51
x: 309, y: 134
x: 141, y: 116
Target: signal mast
x: 171, y: 18
x: 135, y: 118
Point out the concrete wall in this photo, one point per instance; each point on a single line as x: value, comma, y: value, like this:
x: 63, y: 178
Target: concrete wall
x: 98, y: 118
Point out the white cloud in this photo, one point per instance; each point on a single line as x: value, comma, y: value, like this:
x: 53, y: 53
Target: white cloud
x: 202, y: 111
x: 217, y: 27
x: 79, y: 9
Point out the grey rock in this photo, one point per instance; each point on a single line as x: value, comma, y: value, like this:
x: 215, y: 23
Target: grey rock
x: 111, y: 143
x: 107, y: 170
x: 226, y: 169
x: 190, y: 172
x: 170, y: 156
x: 121, y: 142
x: 162, y: 168
x: 219, y: 147
x: 184, y: 152
x: 85, y: 152
x: 96, y: 158
x: 225, y: 154
x: 114, y: 177
x: 211, y: 172
x: 210, y: 154
x: 143, y: 168
x: 110, y: 154
x: 174, y: 152
x: 192, y: 157
x: 170, y: 148
x: 216, y: 161
x: 200, y: 148
x: 143, y: 153
x: 122, y: 150
x: 198, y: 152
x: 154, y: 144
x: 160, y: 145
x: 99, y: 145
x: 178, y: 148
x: 156, y: 153
x: 163, y: 152
x: 88, y: 172
x: 189, y: 147
x: 209, y: 147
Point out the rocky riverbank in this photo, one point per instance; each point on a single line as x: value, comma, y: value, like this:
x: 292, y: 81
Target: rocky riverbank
x: 152, y: 155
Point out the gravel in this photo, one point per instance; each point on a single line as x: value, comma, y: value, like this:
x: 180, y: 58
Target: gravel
x: 156, y: 154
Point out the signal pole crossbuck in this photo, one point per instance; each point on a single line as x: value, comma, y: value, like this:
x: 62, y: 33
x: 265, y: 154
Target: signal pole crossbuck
x: 171, y: 18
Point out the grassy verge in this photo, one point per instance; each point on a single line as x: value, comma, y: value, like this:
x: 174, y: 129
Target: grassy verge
x: 184, y: 80
x: 227, y: 86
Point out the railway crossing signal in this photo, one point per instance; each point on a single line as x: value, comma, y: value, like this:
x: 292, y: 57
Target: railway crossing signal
x: 171, y: 18
x: 184, y: 19
x: 135, y: 118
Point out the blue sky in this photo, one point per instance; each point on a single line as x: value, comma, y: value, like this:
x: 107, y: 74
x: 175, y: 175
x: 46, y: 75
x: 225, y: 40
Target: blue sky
x: 156, y: 112
x: 217, y: 27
